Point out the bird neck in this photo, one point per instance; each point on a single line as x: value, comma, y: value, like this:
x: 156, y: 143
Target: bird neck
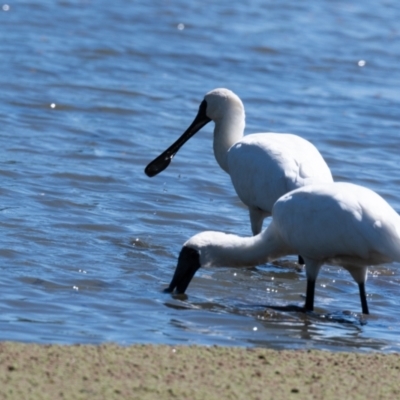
x: 232, y: 250
x: 228, y: 130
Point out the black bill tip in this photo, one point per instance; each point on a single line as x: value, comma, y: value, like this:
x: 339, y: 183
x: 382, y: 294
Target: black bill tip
x: 188, y: 264
x: 158, y: 165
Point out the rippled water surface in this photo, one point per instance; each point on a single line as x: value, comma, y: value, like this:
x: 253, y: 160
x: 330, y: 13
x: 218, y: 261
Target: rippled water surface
x: 94, y: 90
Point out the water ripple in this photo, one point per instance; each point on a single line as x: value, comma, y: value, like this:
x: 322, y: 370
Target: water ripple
x: 93, y: 92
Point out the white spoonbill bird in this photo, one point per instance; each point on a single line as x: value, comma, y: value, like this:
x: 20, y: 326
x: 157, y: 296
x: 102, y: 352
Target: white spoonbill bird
x: 335, y: 223
x: 262, y: 166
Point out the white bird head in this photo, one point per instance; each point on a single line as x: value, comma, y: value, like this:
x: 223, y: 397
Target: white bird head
x: 222, y: 102
x: 198, y: 251
x: 218, y: 105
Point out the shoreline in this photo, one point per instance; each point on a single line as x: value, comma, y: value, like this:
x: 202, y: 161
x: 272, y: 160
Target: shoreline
x: 109, y: 371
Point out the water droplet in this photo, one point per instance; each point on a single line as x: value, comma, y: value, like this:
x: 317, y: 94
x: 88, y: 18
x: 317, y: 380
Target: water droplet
x: 255, y: 328
x: 6, y: 7
x: 75, y: 287
x: 361, y: 63
x: 53, y: 105
x: 181, y: 26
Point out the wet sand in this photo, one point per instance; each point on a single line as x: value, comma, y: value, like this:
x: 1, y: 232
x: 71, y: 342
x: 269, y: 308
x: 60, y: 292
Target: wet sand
x: 30, y: 371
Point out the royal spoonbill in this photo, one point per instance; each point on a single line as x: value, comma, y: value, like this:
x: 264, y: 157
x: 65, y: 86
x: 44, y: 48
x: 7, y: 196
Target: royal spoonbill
x: 334, y: 223
x: 262, y: 166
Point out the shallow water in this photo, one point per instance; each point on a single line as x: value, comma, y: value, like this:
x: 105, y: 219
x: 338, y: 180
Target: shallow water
x: 93, y: 91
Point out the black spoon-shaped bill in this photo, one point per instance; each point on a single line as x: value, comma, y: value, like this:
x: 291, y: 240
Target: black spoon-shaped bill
x: 188, y: 264
x: 164, y: 159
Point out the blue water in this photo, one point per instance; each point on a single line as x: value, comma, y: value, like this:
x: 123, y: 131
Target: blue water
x: 93, y: 91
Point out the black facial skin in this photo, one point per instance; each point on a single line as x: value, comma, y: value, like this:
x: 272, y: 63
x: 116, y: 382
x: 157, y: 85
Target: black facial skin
x: 163, y: 160
x: 188, y: 264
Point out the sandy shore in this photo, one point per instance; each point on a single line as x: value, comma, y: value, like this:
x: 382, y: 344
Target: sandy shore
x: 30, y: 371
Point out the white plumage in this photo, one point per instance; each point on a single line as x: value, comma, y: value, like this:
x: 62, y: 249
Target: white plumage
x: 335, y: 223
x: 262, y: 166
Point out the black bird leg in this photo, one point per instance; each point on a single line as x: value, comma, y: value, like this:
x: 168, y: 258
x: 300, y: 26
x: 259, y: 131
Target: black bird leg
x: 309, y: 306
x: 363, y: 298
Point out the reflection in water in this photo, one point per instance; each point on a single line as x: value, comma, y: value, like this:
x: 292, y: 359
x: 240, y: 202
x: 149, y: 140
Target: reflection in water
x: 330, y: 330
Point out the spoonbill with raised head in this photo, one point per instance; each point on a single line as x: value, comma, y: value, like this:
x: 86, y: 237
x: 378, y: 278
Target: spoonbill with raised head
x: 262, y: 166
x: 334, y: 223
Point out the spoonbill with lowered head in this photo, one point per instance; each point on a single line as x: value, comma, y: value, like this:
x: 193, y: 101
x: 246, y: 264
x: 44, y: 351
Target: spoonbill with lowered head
x: 335, y: 223
x: 262, y: 166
